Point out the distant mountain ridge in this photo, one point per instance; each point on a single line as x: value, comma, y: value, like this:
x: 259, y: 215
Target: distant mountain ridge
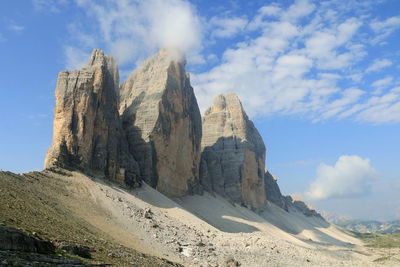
x: 371, y: 226
x: 362, y: 226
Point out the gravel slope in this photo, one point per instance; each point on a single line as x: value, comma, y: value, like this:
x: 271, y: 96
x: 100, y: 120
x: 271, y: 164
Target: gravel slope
x: 194, y: 231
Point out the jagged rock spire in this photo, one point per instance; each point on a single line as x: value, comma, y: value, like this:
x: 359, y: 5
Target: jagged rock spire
x: 162, y: 121
x: 87, y: 132
x: 233, y: 153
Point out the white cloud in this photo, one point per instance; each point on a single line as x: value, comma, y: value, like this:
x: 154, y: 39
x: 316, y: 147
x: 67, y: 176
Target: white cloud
x: 384, y: 28
x: 298, y: 10
x: 227, y: 27
x: 348, y: 97
x: 382, y: 84
x: 281, y: 64
x: 350, y: 176
x: 306, y: 59
x: 16, y: 28
x: 132, y: 30
x: 323, y: 45
x: 75, y: 58
x: 379, y: 64
x: 381, y: 109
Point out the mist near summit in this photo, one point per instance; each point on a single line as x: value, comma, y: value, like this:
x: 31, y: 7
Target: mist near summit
x: 131, y: 30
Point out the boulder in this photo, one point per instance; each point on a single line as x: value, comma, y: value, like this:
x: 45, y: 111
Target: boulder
x: 162, y: 122
x: 87, y: 132
x: 233, y: 153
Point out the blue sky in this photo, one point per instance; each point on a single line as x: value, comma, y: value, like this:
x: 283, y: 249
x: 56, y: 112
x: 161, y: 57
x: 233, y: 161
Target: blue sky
x: 320, y: 79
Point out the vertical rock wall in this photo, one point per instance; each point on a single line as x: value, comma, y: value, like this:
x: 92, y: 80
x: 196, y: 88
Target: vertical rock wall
x: 273, y: 192
x: 163, y: 123
x: 233, y: 153
x: 87, y: 132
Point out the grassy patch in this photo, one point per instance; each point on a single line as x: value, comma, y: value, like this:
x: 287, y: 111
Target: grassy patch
x: 382, y: 259
x: 380, y: 240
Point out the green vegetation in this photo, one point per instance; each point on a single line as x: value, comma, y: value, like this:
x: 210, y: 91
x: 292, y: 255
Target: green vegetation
x: 380, y: 240
x: 382, y: 259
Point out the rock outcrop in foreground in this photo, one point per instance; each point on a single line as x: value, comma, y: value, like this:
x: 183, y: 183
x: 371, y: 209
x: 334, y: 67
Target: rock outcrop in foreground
x: 162, y: 121
x: 87, y: 133
x: 16, y: 240
x: 233, y: 153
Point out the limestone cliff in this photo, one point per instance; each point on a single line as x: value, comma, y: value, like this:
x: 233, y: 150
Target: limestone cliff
x: 273, y: 192
x: 233, y: 153
x: 162, y: 121
x: 87, y: 132
x: 295, y: 203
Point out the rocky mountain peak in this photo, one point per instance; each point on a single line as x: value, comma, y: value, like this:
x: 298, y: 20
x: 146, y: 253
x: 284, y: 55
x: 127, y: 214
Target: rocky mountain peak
x: 233, y: 153
x: 163, y: 123
x: 173, y: 54
x: 227, y: 102
x: 99, y: 59
x: 150, y: 129
x: 87, y: 132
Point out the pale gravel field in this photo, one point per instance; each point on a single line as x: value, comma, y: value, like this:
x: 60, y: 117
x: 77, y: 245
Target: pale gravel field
x: 207, y: 230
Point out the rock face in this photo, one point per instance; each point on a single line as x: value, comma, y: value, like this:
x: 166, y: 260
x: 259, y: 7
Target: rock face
x: 294, y: 202
x: 273, y: 192
x: 162, y: 121
x: 87, y: 133
x: 233, y: 153
x: 13, y: 239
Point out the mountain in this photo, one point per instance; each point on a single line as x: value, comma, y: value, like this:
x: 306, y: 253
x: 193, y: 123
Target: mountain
x: 233, y: 153
x: 87, y: 132
x: 362, y: 226
x: 162, y: 121
x: 135, y: 176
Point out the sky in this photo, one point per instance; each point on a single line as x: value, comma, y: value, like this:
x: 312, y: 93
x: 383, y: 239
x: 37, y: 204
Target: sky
x: 320, y: 80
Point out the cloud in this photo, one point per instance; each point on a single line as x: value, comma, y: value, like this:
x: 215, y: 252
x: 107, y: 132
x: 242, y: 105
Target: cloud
x: 227, y: 27
x: 382, y: 83
x: 348, y: 97
x: 381, y: 109
x: 384, y: 28
x: 308, y: 59
x: 16, y: 28
x: 75, y: 58
x: 350, y: 176
x: 379, y: 64
x: 323, y: 45
x: 289, y: 62
x: 132, y: 30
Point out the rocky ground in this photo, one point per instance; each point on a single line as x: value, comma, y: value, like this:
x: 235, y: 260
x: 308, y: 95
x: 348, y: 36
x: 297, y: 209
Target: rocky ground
x: 124, y: 227
x: 37, y: 204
